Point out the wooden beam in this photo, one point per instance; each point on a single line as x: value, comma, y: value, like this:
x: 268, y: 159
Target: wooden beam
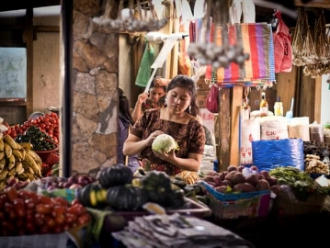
x: 222, y: 130
x: 317, y: 99
x: 28, y: 40
x: 313, y: 4
x: 24, y: 4
x: 50, y: 29
x: 237, y: 95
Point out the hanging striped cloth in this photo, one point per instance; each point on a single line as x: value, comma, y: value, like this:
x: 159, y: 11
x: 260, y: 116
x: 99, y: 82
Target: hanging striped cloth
x: 257, y: 40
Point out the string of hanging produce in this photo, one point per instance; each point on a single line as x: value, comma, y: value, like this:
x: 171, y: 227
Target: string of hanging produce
x: 218, y: 52
x: 137, y: 20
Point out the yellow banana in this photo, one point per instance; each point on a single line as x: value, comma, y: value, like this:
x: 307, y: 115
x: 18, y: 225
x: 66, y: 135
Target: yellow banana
x: 18, y: 154
x: 11, y: 162
x: 2, y: 185
x: 19, y: 168
x: 32, y: 154
x: 29, y: 176
x: 27, y: 167
x: 3, y: 174
x: 2, y: 155
x: 8, y: 150
x: 33, y: 165
x: 22, y: 176
x: 11, y: 172
x: 2, y: 163
x: 26, y: 145
x: 10, y: 141
x: 1, y: 145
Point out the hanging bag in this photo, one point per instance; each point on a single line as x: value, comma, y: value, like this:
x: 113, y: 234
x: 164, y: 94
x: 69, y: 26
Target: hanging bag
x: 212, y: 100
x: 282, y: 46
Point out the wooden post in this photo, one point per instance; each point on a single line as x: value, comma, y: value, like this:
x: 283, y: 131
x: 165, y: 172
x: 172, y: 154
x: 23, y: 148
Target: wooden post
x: 317, y: 99
x: 28, y: 40
x: 236, y: 102
x: 222, y: 130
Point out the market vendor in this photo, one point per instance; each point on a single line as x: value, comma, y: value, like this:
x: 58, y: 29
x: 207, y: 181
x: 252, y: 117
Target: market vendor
x: 178, y: 119
x: 151, y: 99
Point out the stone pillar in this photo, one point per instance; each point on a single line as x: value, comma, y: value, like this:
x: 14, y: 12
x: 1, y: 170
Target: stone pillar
x: 94, y: 83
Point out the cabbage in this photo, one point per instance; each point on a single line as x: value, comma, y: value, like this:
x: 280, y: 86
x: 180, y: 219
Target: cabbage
x: 164, y: 143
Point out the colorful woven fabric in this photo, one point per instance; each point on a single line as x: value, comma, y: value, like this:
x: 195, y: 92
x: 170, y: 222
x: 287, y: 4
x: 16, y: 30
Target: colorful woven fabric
x: 257, y: 40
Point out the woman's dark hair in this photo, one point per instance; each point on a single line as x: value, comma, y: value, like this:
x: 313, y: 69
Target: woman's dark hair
x: 185, y: 82
x: 124, y: 110
x: 152, y: 85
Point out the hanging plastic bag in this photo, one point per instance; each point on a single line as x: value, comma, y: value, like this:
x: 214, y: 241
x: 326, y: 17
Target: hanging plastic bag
x: 212, y: 100
x: 282, y: 46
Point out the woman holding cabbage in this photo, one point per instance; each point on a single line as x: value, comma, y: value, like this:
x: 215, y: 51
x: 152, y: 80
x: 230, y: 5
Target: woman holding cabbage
x: 177, y: 119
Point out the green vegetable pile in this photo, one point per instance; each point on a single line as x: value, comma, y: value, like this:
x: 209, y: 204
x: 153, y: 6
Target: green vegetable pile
x: 299, y: 181
x: 39, y: 140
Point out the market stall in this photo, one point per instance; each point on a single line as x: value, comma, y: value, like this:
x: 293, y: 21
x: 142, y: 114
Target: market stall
x: 281, y: 175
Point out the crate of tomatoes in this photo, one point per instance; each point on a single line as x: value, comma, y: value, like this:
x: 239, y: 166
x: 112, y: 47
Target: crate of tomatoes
x: 27, y: 218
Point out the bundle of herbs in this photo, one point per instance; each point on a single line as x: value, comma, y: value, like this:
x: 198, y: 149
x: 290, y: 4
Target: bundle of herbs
x: 300, y: 182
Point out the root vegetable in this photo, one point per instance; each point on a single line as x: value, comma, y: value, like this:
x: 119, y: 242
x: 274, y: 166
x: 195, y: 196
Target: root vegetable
x: 262, y: 185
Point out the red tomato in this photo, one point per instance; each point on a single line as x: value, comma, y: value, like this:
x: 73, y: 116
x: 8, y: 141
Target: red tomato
x: 60, y: 201
x: 44, y: 199
x: 50, y: 222
x: 30, y: 227
x: 70, y: 218
x: 44, y: 208
x: 76, y: 209
x: 59, y: 210
x: 84, y: 219
x: 40, y: 219
x: 60, y: 219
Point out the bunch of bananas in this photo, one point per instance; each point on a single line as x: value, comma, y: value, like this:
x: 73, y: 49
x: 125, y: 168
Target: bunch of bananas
x: 18, y: 160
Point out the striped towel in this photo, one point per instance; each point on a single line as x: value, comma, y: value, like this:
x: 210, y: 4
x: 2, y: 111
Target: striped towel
x: 257, y: 40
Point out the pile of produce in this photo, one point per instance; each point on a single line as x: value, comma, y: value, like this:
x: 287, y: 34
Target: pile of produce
x: 117, y: 189
x: 26, y: 213
x: 17, y: 162
x: 48, y: 124
x: 300, y: 182
x: 241, y: 180
x: 313, y: 164
x: 316, y: 148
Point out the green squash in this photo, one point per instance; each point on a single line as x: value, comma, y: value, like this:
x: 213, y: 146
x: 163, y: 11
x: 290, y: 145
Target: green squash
x: 92, y: 195
x: 158, y: 186
x: 126, y: 197
x: 118, y: 174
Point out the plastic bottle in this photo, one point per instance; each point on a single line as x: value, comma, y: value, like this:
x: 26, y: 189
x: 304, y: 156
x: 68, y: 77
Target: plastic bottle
x: 278, y: 109
x: 263, y: 105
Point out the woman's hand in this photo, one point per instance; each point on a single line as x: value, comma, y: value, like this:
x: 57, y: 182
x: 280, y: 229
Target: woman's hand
x: 143, y: 97
x: 169, y: 157
x: 153, y: 136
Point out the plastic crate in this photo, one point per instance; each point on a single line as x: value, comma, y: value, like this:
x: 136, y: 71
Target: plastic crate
x: 235, y: 205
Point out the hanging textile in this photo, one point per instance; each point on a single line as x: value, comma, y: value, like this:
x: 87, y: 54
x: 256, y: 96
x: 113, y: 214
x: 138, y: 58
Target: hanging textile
x: 184, y: 62
x: 145, y: 69
x: 257, y: 40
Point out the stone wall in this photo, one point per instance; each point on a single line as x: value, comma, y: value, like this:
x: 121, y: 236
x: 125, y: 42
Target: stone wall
x: 95, y: 81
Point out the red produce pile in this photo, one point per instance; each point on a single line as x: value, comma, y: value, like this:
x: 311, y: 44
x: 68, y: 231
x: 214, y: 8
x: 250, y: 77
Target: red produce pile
x: 48, y: 124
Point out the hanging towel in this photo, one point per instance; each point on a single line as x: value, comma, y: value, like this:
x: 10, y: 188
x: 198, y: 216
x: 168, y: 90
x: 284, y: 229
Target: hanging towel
x: 145, y: 70
x: 257, y: 40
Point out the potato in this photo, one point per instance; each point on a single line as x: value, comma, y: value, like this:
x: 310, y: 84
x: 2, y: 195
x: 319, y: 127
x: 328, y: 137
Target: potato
x: 272, y: 180
x: 262, y: 184
x: 265, y: 174
x: 252, y: 179
x: 244, y: 187
x: 230, y: 175
x: 231, y: 168
x: 238, y: 178
x: 209, y: 179
x: 223, y: 175
x: 240, y: 168
x: 227, y: 182
x: 217, y: 180
x: 261, y: 177
x: 221, y: 189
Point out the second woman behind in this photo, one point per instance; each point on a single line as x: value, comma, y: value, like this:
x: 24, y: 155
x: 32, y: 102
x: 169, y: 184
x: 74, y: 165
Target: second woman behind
x: 178, y: 119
